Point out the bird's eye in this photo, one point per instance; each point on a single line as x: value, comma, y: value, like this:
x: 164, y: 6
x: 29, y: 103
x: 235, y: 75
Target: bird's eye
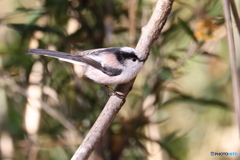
x: 134, y: 59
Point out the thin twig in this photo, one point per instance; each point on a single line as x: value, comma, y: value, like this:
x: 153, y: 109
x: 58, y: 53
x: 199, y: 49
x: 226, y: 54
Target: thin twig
x: 149, y: 34
x: 235, y: 15
x: 235, y: 81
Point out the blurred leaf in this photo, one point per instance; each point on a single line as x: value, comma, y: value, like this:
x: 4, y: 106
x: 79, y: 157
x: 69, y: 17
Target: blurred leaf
x: 210, y: 54
x: 173, y: 57
x: 174, y: 14
x: 168, y: 138
x: 187, y: 29
x: 171, y: 34
x: 165, y: 73
x: 176, y: 147
x: 164, y: 143
x: 212, y: 7
x: 58, y: 153
x: 140, y: 145
x: 199, y: 101
x: 219, y: 20
x: 22, y: 9
x: 33, y: 28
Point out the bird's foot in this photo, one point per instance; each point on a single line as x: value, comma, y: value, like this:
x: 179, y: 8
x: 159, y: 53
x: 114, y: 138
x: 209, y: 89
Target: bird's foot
x: 117, y: 94
x: 114, y: 93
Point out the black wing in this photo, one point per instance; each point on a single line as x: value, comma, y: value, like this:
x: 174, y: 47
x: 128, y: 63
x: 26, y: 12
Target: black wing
x: 105, y: 69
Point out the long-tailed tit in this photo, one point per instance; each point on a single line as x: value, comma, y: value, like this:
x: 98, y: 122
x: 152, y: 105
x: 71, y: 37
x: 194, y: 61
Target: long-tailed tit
x: 106, y: 66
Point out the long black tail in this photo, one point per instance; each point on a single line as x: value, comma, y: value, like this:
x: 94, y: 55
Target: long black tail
x: 55, y: 54
x: 72, y: 58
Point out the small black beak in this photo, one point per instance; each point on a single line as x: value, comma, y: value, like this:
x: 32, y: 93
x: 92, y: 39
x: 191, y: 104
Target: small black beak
x: 142, y: 60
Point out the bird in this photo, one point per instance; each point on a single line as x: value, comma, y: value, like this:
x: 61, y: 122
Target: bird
x: 107, y: 66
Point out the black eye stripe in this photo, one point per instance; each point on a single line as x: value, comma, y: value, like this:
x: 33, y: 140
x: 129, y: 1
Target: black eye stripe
x: 123, y: 55
x: 129, y: 55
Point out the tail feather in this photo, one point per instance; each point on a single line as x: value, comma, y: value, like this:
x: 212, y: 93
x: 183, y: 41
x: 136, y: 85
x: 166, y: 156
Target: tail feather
x: 60, y: 55
x: 49, y: 53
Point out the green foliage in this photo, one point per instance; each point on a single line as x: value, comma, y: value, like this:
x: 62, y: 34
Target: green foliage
x: 187, y: 29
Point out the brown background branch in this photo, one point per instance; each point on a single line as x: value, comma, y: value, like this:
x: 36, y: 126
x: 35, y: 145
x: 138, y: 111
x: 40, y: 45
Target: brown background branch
x: 149, y: 34
x: 232, y: 55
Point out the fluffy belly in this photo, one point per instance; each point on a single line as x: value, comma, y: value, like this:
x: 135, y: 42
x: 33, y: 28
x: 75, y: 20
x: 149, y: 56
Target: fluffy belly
x: 99, y: 77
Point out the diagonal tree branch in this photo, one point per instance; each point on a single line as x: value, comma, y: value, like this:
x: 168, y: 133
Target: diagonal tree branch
x: 149, y: 34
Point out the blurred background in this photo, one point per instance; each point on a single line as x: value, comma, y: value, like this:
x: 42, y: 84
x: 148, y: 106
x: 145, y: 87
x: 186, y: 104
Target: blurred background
x: 181, y: 105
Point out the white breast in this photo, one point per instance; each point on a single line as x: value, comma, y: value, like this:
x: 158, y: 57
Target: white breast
x: 99, y: 77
